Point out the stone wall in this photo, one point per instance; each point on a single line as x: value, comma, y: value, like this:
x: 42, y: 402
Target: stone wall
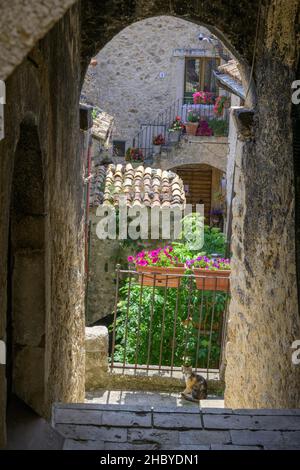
x: 212, y: 151
x: 96, y: 357
x: 126, y: 82
x: 46, y: 89
x: 103, y: 258
x: 22, y: 27
x: 264, y: 317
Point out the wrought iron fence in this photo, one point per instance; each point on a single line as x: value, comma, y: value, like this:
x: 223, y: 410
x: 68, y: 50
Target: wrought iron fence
x: 162, y: 321
x: 163, y: 121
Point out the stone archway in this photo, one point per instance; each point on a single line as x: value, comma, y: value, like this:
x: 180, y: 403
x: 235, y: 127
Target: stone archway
x: 264, y: 317
x: 26, y: 275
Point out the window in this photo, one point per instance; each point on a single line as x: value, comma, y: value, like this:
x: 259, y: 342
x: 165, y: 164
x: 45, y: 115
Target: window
x: 119, y: 148
x: 199, y: 75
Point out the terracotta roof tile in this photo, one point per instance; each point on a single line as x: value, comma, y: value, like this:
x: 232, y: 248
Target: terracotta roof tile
x: 141, y: 186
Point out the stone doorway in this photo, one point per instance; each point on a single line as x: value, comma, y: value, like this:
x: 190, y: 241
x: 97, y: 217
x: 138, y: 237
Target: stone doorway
x: 26, y: 272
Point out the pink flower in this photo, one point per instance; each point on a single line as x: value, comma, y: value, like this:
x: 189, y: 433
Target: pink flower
x: 143, y: 262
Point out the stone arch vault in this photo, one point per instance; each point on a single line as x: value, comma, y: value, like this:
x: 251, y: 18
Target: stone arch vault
x: 43, y: 69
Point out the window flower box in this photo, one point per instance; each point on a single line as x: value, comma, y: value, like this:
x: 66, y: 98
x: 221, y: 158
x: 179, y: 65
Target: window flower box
x: 207, y: 279
x: 159, y: 267
x: 210, y: 273
x: 160, y: 276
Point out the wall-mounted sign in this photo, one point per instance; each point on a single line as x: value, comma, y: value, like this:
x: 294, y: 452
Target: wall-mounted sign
x: 192, y: 52
x: 2, y: 103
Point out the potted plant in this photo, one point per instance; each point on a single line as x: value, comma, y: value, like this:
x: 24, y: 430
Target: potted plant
x: 157, y: 142
x: 204, y: 129
x: 219, y: 127
x: 158, y: 267
x: 221, y: 103
x: 192, y: 123
x: 134, y: 155
x: 204, y: 97
x: 211, y: 273
x: 175, y: 129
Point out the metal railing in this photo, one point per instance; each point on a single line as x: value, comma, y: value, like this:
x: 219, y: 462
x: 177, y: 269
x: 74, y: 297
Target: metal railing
x: 162, y: 321
x: 163, y: 121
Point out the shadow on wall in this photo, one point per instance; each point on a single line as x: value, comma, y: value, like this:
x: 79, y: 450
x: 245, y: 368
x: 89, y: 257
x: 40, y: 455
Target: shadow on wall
x: 26, y: 273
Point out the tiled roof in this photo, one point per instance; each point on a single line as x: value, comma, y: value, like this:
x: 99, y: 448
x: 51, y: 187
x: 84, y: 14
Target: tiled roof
x: 231, y: 68
x: 102, y: 125
x: 141, y: 186
x: 229, y: 76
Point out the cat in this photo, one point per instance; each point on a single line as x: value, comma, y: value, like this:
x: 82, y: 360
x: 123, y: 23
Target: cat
x: 195, y: 385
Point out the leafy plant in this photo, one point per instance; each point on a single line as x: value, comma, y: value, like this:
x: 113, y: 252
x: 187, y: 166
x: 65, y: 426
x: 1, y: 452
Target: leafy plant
x: 220, y: 104
x: 218, y: 126
x: 134, y: 154
x: 192, y: 116
x: 156, y: 328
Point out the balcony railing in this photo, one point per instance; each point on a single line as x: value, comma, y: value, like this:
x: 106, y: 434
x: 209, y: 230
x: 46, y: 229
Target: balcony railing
x: 181, y: 107
x: 159, y: 326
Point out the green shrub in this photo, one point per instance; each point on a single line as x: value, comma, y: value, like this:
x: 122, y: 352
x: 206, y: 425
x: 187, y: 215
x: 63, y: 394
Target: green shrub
x: 144, y: 313
x: 219, y: 127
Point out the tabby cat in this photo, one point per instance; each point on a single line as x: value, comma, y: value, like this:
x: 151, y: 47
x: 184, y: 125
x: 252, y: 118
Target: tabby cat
x: 195, y: 385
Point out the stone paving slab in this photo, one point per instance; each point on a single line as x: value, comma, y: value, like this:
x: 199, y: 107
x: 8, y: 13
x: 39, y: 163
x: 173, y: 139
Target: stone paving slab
x: 222, y: 411
x: 145, y: 398
x: 127, y: 419
x: 177, y: 420
x: 275, y: 423
x: 93, y: 433
x: 103, y: 407
x: 127, y: 446
x: 73, y: 444
x: 269, y: 440
x: 154, y: 436
x: 221, y: 421
x: 74, y: 416
x: 204, y: 437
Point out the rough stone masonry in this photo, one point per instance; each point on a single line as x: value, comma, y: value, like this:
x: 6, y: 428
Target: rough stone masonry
x: 44, y: 71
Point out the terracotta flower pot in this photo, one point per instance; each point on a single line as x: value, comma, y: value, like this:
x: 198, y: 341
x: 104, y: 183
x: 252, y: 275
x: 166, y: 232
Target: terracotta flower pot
x: 158, y: 276
x: 191, y: 128
x: 212, y: 280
